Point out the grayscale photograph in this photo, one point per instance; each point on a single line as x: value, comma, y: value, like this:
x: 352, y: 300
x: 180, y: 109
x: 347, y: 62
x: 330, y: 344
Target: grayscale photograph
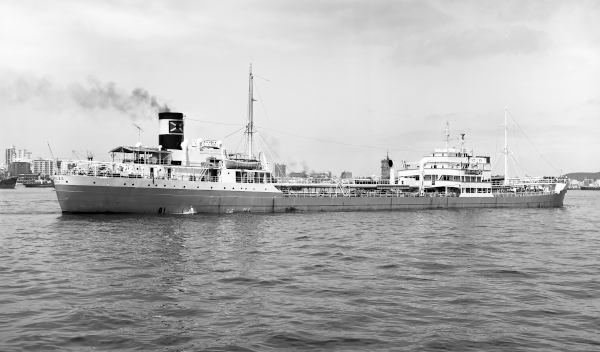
x: 334, y: 175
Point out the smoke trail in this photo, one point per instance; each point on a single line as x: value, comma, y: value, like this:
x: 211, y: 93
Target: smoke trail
x: 106, y: 95
x: 92, y: 96
x: 305, y: 167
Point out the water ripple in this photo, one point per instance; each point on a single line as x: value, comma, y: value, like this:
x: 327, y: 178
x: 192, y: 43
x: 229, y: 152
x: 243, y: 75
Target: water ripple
x: 447, y: 280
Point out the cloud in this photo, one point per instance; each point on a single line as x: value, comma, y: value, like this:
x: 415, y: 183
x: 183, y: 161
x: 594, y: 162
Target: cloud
x: 512, y: 11
x: 470, y: 43
x: 441, y: 117
x: 593, y: 101
x: 365, y: 22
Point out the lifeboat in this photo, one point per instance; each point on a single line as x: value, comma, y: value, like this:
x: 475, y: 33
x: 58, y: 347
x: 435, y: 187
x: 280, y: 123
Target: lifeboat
x: 242, y: 161
x: 243, y: 164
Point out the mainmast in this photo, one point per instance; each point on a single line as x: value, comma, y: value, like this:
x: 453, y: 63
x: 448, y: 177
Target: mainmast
x: 505, y: 151
x: 250, y: 127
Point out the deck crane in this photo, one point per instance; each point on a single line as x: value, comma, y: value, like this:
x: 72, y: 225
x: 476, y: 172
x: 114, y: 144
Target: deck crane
x: 52, y: 154
x: 55, y: 166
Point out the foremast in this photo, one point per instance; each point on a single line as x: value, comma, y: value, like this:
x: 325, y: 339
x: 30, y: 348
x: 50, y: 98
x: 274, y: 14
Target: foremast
x: 505, y: 149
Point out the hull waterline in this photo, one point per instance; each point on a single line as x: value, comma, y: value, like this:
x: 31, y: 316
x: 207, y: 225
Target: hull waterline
x: 94, y: 199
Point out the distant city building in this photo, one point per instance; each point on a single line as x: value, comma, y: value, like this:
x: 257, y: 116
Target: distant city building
x: 10, y: 155
x: 385, y: 168
x: 300, y: 174
x: 22, y: 155
x: 19, y: 168
x: 280, y: 170
x: 13, y: 154
x: 326, y: 174
x: 43, y: 166
x: 346, y: 175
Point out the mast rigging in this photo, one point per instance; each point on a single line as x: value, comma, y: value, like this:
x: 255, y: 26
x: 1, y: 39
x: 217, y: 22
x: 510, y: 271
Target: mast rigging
x: 250, y: 126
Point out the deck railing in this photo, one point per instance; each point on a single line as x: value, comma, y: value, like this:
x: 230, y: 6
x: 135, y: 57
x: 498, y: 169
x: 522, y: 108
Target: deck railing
x: 522, y: 194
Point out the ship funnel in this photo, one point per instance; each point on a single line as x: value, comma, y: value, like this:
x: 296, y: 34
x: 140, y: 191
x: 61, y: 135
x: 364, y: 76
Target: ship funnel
x: 170, y: 130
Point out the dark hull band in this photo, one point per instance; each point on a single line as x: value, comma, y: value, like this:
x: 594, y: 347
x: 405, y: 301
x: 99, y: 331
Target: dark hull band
x: 8, y: 183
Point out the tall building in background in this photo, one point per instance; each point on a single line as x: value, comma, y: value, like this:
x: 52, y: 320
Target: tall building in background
x: 22, y: 154
x: 19, y: 168
x: 386, y: 164
x: 10, y: 155
x: 43, y: 166
x: 346, y: 175
x: 280, y: 170
x: 13, y: 154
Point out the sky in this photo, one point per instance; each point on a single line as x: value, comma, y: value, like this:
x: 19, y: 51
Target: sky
x: 339, y: 84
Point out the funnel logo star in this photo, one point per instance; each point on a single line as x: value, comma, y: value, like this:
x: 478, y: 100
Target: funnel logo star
x: 175, y: 126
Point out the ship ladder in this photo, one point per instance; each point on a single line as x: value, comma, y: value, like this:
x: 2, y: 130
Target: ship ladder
x: 343, y: 189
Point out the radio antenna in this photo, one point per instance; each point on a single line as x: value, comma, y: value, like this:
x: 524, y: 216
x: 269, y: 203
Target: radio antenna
x: 140, y: 130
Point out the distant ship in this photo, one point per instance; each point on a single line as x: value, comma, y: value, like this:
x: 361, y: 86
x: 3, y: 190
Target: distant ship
x: 39, y: 183
x: 8, y: 183
x: 179, y: 177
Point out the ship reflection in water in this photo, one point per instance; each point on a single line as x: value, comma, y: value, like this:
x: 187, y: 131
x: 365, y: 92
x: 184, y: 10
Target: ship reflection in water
x: 463, y: 279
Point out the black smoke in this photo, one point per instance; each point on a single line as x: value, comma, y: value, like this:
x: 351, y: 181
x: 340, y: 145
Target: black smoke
x: 93, y: 95
x: 97, y: 95
x: 143, y: 97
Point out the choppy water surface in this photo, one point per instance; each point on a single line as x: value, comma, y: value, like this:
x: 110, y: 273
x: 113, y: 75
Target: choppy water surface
x: 458, y: 280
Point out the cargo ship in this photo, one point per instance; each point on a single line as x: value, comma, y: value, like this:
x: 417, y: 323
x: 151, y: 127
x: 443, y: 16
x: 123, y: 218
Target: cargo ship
x: 200, y: 176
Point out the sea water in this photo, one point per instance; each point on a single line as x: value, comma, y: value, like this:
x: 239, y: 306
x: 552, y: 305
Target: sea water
x: 425, y: 280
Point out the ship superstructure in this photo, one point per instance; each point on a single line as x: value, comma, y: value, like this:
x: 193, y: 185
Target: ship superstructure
x: 452, y: 171
x: 185, y: 177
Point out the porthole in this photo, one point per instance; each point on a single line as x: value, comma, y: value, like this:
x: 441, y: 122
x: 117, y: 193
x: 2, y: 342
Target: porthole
x: 94, y: 182
x: 124, y: 184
